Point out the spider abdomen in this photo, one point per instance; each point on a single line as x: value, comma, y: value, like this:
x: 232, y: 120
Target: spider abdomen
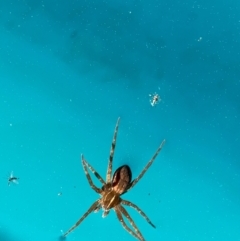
x: 121, y: 179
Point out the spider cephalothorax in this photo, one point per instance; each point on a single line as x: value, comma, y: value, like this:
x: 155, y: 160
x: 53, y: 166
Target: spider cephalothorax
x: 111, y: 191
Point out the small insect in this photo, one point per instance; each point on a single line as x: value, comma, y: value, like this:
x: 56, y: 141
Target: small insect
x: 154, y: 99
x: 12, y: 179
x: 112, y: 190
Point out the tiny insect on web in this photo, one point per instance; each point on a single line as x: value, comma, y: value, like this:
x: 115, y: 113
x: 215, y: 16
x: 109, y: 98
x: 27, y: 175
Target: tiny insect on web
x: 115, y: 186
x: 12, y: 179
x: 154, y: 99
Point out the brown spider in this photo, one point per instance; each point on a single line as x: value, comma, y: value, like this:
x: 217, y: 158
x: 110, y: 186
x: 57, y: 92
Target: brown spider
x: 113, y: 188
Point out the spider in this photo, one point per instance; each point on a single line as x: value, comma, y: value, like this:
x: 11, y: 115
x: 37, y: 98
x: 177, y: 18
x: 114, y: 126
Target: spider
x: 113, y: 188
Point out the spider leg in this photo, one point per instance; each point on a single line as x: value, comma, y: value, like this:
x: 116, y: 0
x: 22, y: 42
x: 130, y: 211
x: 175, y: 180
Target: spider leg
x: 130, y: 204
x: 89, y: 177
x: 121, y: 220
x: 97, y: 208
x: 135, y: 181
x: 125, y: 213
x: 91, y: 209
x: 93, y: 171
x: 109, y: 169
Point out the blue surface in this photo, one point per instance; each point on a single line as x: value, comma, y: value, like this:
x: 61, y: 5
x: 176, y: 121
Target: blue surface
x: 69, y: 69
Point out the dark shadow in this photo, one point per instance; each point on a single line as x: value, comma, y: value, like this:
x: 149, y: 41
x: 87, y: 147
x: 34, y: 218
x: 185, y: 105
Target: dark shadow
x: 61, y: 238
x: 4, y: 236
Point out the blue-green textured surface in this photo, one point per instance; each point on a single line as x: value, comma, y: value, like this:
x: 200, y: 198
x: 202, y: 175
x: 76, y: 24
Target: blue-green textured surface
x: 69, y: 69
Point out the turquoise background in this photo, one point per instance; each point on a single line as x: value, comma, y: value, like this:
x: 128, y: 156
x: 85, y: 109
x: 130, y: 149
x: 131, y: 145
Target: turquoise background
x: 69, y: 69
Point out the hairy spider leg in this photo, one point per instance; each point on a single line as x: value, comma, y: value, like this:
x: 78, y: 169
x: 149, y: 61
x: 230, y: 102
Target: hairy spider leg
x: 135, y: 181
x: 109, y: 169
x: 96, y: 189
x: 121, y: 220
x: 126, y: 214
x: 90, y: 210
x: 132, y: 205
x: 94, y: 171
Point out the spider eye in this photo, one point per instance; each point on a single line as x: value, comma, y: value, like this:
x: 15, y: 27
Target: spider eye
x: 121, y: 179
